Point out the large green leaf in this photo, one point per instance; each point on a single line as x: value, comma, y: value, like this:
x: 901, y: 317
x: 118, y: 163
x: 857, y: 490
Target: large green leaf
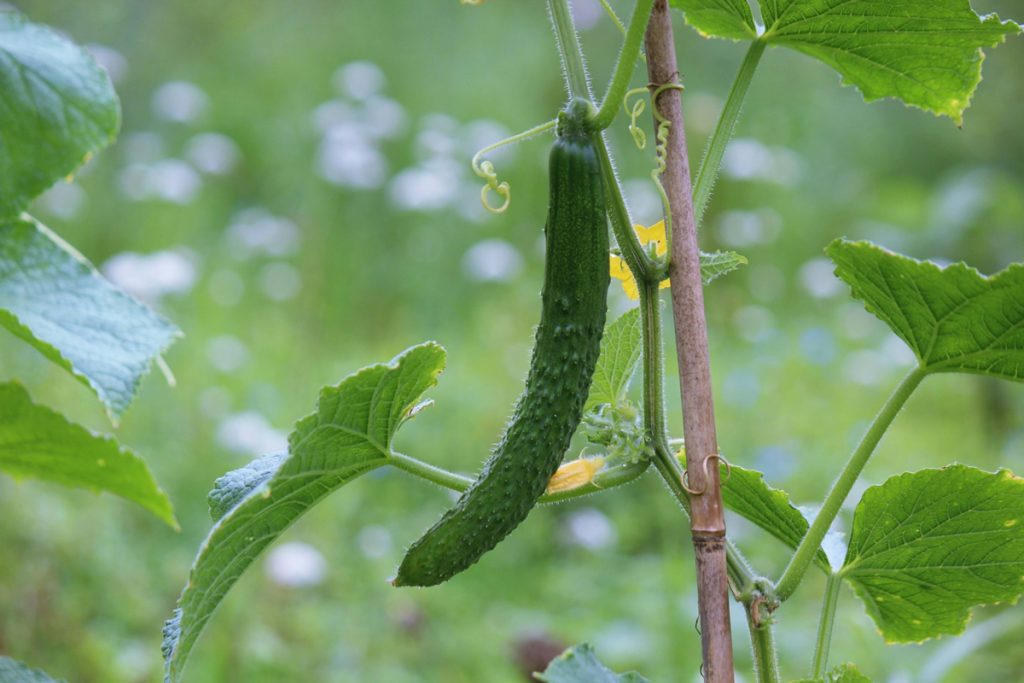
x: 845, y: 673
x: 928, y: 546
x: 58, y: 107
x: 954, y: 318
x: 38, y: 442
x: 16, y: 672
x: 349, y: 435
x: 579, y: 664
x: 51, y: 297
x: 722, y: 18
x: 926, y: 53
x: 620, y: 355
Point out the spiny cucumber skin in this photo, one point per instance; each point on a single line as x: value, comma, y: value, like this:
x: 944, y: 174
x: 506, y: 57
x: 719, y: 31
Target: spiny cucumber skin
x: 568, y: 341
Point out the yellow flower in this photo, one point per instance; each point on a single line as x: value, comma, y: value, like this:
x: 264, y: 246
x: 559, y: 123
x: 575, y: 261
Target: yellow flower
x: 619, y: 269
x: 574, y: 474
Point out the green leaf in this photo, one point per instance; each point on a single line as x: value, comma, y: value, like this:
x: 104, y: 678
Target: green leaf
x: 349, y: 435
x: 845, y: 673
x: 954, y: 318
x: 718, y: 263
x: 620, y: 355
x: 38, y: 442
x: 926, y: 53
x: 579, y: 664
x: 59, y: 107
x: 51, y: 297
x: 928, y: 546
x: 722, y: 18
x: 746, y: 493
x: 16, y: 672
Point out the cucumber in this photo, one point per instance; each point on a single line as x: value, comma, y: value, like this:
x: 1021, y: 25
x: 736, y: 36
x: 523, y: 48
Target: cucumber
x: 568, y: 340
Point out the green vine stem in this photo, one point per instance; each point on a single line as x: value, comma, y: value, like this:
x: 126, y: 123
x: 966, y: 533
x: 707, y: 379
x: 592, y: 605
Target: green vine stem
x: 606, y: 479
x: 610, y: 11
x: 766, y: 662
x: 485, y: 169
x: 804, y: 554
x: 724, y: 129
x: 575, y: 71
x: 625, y: 64
x: 644, y: 268
x: 825, y: 624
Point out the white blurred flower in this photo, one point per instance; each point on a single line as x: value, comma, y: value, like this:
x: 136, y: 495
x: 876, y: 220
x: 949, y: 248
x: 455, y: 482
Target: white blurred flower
x: 350, y: 161
x: 179, y: 101
x: 746, y: 228
x: 280, y: 281
x: 383, y: 117
x: 212, y: 153
x: 257, y: 231
x: 492, y: 260
x: 748, y: 159
x: 174, y: 181
x: 226, y: 353
x: 374, y: 541
x: 295, y: 565
x: 589, y: 528
x: 152, y: 276
x: 249, y: 433
x: 143, y: 147
x: 427, y: 187
x: 359, y: 80
x: 818, y: 278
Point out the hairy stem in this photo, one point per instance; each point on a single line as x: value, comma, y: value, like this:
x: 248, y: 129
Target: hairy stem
x: 804, y: 554
x: 712, y: 161
x: 603, y: 480
x: 573, y: 67
x: 707, y: 522
x: 828, y: 616
x: 642, y: 267
x: 625, y: 65
x: 766, y: 663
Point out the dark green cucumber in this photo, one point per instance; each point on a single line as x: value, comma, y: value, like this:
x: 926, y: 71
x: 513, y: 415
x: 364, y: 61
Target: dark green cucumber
x: 573, y: 306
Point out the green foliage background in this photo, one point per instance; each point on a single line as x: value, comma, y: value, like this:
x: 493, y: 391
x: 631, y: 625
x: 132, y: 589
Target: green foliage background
x: 86, y: 581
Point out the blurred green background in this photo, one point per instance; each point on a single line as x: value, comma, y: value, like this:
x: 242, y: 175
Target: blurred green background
x: 292, y: 187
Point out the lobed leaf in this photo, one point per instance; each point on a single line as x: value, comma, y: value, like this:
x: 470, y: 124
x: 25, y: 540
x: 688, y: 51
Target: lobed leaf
x: 349, y: 435
x: 51, y: 297
x: 926, y: 53
x: 928, y: 546
x: 953, y: 318
x: 721, y: 18
x: 59, y: 107
x: 38, y: 442
x: 620, y: 356
x: 579, y: 664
